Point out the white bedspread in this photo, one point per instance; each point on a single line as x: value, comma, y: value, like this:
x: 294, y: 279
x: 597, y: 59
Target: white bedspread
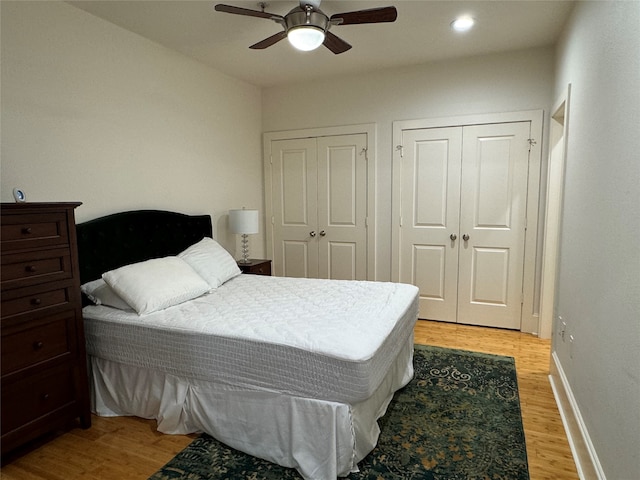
x: 295, y: 371
x: 330, y: 340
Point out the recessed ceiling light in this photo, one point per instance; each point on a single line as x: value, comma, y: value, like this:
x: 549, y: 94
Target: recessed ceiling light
x: 462, y: 24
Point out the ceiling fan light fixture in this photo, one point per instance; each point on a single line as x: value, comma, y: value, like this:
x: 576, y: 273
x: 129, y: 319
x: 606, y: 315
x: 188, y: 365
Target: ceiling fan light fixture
x: 305, y: 38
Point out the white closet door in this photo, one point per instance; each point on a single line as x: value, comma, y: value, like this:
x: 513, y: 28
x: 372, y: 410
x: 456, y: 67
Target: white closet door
x: 463, y: 214
x: 319, y: 205
x: 342, y: 207
x: 430, y: 218
x: 294, y: 167
x: 492, y: 223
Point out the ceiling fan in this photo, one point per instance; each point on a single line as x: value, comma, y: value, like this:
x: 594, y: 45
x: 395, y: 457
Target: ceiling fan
x: 307, y: 27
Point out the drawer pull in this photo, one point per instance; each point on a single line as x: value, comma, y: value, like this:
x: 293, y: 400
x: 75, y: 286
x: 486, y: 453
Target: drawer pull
x: 30, y: 268
x: 36, y: 301
x: 26, y: 230
x: 37, y: 345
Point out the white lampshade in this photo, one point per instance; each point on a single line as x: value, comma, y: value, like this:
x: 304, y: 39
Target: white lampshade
x: 243, y: 221
x: 305, y: 38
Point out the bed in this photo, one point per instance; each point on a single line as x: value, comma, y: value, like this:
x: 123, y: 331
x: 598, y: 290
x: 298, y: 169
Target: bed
x: 294, y: 371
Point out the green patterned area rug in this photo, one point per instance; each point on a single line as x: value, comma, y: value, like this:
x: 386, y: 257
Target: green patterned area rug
x: 458, y: 419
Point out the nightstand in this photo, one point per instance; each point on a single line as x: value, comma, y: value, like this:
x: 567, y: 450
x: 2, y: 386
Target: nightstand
x: 256, y: 266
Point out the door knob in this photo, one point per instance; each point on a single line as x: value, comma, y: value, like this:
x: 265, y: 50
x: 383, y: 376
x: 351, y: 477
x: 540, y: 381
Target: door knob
x: 322, y: 233
x: 312, y: 233
x: 465, y: 237
x: 453, y: 237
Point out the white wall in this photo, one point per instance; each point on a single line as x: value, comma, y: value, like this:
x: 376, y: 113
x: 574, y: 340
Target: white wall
x: 507, y: 82
x: 598, y: 289
x: 94, y: 113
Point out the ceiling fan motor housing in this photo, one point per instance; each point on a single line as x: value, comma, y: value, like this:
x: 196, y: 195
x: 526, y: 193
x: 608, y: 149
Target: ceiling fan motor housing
x: 306, y: 18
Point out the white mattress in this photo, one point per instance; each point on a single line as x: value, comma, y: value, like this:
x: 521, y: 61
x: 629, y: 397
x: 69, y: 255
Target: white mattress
x: 326, y: 339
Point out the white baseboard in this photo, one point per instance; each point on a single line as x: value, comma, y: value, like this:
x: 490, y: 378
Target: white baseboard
x: 584, y: 453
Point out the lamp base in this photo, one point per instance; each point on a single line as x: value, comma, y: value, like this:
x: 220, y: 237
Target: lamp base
x: 245, y: 249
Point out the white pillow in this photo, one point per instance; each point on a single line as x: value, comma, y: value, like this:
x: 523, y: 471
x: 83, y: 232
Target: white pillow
x: 102, y: 294
x: 156, y: 284
x: 211, y: 261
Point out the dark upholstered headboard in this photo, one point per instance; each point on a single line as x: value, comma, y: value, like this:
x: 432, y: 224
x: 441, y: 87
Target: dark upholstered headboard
x: 123, y: 238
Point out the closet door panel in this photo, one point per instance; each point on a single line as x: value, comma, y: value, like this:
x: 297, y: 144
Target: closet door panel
x: 342, y: 207
x: 294, y: 166
x: 295, y: 259
x: 430, y: 183
x: 492, y: 220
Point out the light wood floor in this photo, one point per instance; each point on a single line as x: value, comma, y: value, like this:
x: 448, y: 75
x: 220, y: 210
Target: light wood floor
x: 128, y: 448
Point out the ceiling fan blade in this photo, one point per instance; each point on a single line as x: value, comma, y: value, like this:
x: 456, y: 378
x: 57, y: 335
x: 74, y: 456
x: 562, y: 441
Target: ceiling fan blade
x: 267, y: 42
x: 372, y: 15
x: 335, y: 43
x: 245, y: 11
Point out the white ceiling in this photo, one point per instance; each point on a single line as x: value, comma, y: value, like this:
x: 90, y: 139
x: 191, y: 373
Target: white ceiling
x: 420, y: 34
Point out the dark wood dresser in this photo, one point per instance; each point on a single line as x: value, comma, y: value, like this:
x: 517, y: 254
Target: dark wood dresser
x: 44, y: 370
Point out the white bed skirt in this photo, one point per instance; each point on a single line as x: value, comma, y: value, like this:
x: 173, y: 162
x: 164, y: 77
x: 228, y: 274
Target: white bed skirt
x: 321, y: 439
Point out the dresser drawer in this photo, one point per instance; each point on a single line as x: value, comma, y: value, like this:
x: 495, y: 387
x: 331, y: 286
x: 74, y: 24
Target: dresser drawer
x: 36, y: 396
x: 31, y: 268
x: 36, y: 299
x: 34, y: 230
x: 31, y: 343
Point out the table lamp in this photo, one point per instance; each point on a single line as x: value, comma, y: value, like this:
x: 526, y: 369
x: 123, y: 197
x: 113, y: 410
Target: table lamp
x: 244, y: 222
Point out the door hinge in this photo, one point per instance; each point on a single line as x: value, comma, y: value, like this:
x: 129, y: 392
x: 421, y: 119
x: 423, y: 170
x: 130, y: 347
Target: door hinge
x: 400, y: 148
x: 400, y: 220
x: 273, y: 220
